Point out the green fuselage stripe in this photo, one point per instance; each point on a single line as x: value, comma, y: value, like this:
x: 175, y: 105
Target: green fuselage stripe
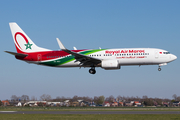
x: 69, y: 58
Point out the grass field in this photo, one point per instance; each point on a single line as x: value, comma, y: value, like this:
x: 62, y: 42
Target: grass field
x: 87, y: 117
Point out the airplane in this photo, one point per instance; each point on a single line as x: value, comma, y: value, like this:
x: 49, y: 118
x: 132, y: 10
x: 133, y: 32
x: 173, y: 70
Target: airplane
x: 108, y: 59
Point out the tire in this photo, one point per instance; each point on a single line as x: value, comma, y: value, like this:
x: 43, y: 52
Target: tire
x: 92, y: 71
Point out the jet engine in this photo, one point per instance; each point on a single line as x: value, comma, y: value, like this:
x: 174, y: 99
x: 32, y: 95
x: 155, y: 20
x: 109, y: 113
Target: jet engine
x: 110, y: 64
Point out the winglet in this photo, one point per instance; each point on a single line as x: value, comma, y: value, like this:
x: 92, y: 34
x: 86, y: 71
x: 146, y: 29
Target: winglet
x: 60, y: 44
x: 75, y: 48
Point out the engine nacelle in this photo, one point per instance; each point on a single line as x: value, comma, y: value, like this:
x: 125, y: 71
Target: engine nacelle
x: 110, y: 64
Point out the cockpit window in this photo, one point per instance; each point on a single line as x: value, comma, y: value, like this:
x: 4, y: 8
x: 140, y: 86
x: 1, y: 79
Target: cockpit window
x: 166, y: 52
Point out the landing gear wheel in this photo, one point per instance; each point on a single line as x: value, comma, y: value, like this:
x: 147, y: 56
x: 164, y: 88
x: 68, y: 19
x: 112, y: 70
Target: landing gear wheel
x: 159, y: 69
x: 92, y: 71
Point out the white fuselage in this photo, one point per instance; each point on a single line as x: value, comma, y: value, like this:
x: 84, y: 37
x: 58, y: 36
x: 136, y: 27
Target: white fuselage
x: 131, y: 56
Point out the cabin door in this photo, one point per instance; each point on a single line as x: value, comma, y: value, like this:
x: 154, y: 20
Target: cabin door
x: 39, y: 57
x: 156, y: 54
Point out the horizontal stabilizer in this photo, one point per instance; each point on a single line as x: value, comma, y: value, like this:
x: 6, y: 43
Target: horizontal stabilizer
x: 16, y: 54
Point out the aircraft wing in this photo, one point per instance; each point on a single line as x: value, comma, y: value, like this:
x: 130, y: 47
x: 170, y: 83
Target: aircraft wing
x: 83, y: 59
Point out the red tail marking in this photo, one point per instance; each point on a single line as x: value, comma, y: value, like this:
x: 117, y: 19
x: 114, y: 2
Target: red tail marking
x: 22, y: 36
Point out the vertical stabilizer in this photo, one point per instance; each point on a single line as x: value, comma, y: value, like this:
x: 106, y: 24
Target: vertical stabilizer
x: 22, y: 42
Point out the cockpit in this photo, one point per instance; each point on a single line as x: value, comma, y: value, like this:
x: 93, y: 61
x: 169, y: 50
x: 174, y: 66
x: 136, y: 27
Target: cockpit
x: 166, y: 52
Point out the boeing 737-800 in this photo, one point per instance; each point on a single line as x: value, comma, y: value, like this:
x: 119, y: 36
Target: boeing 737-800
x: 108, y: 59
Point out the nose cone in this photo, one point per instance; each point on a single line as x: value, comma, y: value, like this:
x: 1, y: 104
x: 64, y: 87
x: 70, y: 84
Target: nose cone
x: 173, y: 57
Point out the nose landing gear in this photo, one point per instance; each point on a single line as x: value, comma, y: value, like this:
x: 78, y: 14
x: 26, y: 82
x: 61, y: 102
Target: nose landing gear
x: 159, y: 69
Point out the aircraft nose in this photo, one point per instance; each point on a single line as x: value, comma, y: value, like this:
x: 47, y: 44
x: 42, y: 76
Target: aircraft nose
x: 173, y: 57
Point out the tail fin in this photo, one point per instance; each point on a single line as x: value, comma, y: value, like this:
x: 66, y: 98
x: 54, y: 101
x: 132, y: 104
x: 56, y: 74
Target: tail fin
x: 22, y: 42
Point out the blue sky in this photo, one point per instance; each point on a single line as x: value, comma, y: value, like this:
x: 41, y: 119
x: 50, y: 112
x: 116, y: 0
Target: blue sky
x: 90, y: 24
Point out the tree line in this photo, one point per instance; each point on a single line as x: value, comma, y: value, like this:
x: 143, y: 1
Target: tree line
x: 97, y: 99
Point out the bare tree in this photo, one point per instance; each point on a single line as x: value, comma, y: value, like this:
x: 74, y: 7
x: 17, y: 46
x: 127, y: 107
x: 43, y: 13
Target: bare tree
x: 87, y: 98
x: 175, y: 97
x: 75, y: 98
x: 45, y: 97
x: 25, y: 98
x: 0, y: 103
x: 14, y: 98
x: 145, y: 97
x: 120, y: 98
x: 110, y: 98
x: 138, y: 98
x: 57, y: 99
x: 33, y: 98
x: 178, y: 98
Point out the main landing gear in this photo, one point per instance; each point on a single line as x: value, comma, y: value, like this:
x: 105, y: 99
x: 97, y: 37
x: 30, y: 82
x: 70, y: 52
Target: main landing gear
x: 92, y: 70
